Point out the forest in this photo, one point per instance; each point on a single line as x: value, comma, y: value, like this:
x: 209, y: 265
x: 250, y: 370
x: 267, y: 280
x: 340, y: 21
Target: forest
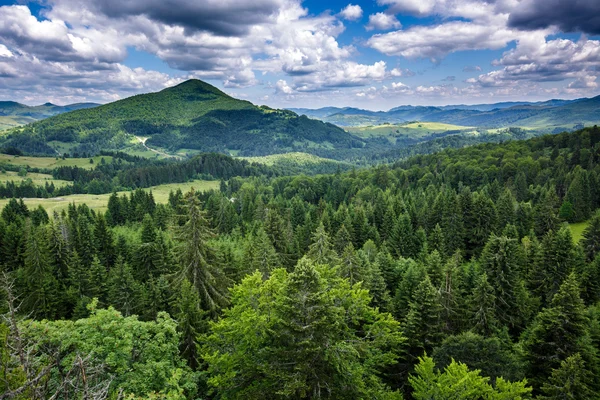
x: 452, y: 275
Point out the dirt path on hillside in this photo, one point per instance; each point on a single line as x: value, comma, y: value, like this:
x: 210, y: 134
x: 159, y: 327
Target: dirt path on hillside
x: 143, y: 142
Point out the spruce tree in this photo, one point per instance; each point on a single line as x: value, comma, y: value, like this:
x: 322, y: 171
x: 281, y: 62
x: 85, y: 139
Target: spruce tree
x: 321, y: 250
x: 422, y: 326
x: 199, y: 263
x: 557, y: 333
x: 124, y: 292
x: 191, y: 323
x: 483, y: 307
x: 570, y: 381
x: 501, y: 262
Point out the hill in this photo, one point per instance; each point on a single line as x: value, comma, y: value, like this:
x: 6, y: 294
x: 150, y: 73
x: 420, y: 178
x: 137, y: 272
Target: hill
x: 553, y: 114
x: 193, y: 116
x: 14, y: 114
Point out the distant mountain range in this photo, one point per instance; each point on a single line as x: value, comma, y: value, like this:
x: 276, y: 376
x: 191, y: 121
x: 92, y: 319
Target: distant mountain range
x: 14, y: 114
x: 556, y: 114
x: 192, y: 116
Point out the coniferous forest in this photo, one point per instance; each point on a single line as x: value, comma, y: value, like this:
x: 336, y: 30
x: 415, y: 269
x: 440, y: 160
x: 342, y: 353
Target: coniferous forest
x: 452, y: 275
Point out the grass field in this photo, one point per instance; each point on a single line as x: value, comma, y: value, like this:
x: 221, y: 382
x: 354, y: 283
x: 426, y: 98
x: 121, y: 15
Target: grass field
x: 99, y: 201
x: 297, y: 158
x: 37, y: 179
x: 51, y: 162
x: 412, y: 130
x: 577, y: 230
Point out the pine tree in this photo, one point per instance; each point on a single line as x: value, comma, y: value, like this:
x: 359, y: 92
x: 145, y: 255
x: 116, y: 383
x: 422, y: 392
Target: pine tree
x: 505, y: 207
x: 557, y: 333
x: 191, y: 323
x: 342, y: 239
x: 263, y: 257
x: 198, y: 260
x: 591, y: 237
x: 422, y: 326
x: 483, y: 307
x: 501, y: 261
x: 104, y: 241
x: 321, y: 251
x: 351, y: 266
x: 570, y: 381
x: 42, y: 286
x: 124, y: 292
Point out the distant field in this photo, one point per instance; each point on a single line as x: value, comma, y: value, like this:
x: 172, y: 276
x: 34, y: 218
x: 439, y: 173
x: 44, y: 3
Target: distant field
x: 99, y: 202
x: 412, y: 130
x: 37, y: 179
x: 296, y: 158
x: 51, y: 162
x: 577, y: 230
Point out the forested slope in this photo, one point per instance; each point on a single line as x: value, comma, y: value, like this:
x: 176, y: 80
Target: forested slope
x: 440, y: 275
x: 192, y: 115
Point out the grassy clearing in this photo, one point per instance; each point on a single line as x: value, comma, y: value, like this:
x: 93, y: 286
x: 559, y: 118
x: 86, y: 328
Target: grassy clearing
x: 100, y: 201
x: 37, y: 179
x: 297, y: 158
x: 414, y: 130
x: 51, y: 162
x: 577, y: 230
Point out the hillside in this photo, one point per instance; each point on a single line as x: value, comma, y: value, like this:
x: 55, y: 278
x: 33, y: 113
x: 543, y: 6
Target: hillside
x: 552, y: 114
x: 13, y: 114
x: 193, y: 116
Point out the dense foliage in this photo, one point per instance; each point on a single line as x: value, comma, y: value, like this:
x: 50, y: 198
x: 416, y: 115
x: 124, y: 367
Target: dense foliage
x: 451, y: 275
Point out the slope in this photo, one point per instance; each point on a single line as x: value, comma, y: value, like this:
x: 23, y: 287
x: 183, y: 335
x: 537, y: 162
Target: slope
x: 13, y: 114
x: 191, y: 115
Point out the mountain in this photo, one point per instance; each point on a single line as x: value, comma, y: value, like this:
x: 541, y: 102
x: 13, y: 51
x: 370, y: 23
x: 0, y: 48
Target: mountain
x: 190, y: 116
x: 13, y: 114
x: 556, y: 114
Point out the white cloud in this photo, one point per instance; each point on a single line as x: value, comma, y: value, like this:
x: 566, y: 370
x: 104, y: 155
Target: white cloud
x: 5, y: 52
x: 352, y: 12
x: 435, y: 42
x: 536, y: 59
x: 283, y: 87
x: 382, y: 22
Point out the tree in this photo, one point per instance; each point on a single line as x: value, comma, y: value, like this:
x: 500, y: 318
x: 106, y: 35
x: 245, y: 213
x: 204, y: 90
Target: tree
x: 42, y: 287
x: 557, y: 333
x: 297, y: 335
x: 494, y: 356
x: 263, y: 256
x: 321, y: 250
x: 191, y: 323
x: 422, y: 326
x: 570, y: 381
x: 591, y: 237
x: 458, y: 382
x: 124, y: 292
x: 483, y: 307
x: 501, y: 262
x: 198, y: 260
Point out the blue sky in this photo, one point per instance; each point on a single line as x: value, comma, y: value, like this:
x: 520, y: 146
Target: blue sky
x: 374, y: 54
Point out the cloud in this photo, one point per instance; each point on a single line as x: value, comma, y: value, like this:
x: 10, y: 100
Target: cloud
x: 567, y: 15
x: 352, y: 12
x: 450, y: 78
x: 412, y: 7
x: 339, y: 75
x: 283, y: 87
x: 435, y: 42
x: 5, y: 52
x: 472, y: 68
x: 538, y: 60
x: 220, y: 17
x: 382, y: 22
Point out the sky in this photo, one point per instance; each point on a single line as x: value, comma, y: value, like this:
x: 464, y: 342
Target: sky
x: 372, y: 54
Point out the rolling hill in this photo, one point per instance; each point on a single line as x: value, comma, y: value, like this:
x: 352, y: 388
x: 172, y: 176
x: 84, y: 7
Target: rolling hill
x: 192, y: 115
x: 553, y: 114
x: 13, y: 114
